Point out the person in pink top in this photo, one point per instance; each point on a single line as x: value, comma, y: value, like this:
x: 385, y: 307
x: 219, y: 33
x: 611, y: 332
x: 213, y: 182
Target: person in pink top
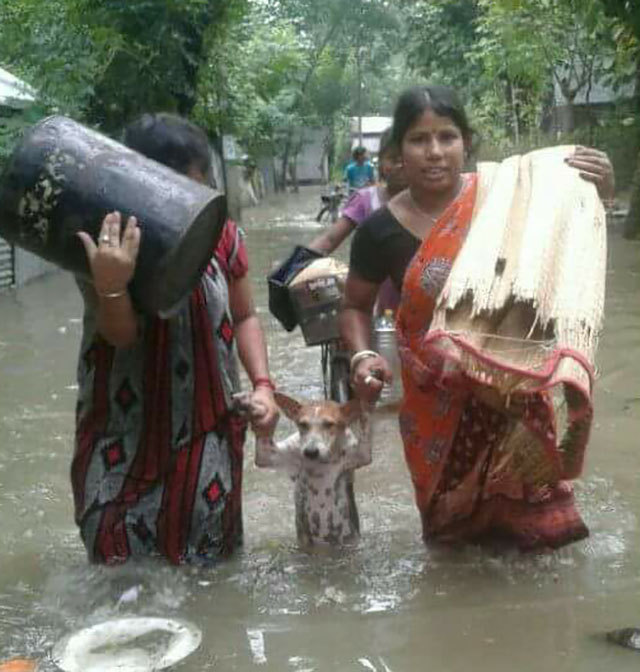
x: 366, y: 200
x: 360, y: 205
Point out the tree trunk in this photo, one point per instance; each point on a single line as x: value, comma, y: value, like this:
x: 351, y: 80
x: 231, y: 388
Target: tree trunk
x: 514, y: 113
x: 294, y: 174
x: 632, y: 223
x: 285, y: 163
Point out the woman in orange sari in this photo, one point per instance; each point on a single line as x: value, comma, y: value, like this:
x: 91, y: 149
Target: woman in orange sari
x: 452, y: 427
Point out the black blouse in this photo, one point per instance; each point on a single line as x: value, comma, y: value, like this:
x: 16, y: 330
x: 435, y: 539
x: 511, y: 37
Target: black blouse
x: 382, y: 248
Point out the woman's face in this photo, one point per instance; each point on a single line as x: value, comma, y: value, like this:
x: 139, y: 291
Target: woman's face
x: 392, y: 172
x: 433, y: 152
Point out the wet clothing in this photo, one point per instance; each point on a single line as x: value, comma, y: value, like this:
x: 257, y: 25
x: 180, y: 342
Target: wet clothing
x: 158, y: 456
x: 361, y: 204
x: 382, y: 248
x: 466, y: 487
x: 359, y: 175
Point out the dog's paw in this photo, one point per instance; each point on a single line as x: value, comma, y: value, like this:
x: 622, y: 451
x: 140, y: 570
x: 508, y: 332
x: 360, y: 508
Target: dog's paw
x: 242, y: 403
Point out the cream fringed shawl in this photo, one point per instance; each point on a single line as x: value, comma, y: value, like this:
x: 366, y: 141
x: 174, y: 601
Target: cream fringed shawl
x: 523, y: 306
x: 530, y: 278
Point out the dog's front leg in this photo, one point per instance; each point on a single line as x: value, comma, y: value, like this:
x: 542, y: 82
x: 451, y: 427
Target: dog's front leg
x: 360, y: 453
x: 274, y: 455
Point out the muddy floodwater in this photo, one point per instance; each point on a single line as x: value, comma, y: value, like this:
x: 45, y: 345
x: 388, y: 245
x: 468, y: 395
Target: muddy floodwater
x: 389, y: 605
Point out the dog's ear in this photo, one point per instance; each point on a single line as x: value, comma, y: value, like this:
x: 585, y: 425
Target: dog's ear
x: 290, y: 407
x: 351, y: 411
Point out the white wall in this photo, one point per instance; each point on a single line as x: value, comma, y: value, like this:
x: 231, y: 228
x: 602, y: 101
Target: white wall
x: 311, y: 165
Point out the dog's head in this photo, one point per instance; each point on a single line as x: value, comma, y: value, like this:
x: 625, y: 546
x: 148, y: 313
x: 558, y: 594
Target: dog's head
x: 322, y: 426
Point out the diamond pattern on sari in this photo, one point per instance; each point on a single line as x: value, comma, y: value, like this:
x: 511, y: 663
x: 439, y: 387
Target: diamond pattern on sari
x: 214, y: 492
x: 113, y: 454
x: 141, y: 530
x: 225, y: 331
x: 126, y: 397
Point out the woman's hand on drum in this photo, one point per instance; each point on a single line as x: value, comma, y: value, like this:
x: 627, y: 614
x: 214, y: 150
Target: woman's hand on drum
x: 112, y: 260
x: 369, y: 376
x: 594, y: 166
x: 264, y: 412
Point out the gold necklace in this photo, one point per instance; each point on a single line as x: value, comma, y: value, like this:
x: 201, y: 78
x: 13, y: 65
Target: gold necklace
x: 416, y: 206
x: 433, y: 218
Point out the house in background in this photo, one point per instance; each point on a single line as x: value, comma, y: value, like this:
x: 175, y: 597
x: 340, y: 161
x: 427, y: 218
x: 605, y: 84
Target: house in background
x: 312, y: 163
x: 372, y: 129
x: 590, y: 101
x: 17, y: 266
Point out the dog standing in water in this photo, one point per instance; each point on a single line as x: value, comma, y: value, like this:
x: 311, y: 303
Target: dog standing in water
x: 320, y: 457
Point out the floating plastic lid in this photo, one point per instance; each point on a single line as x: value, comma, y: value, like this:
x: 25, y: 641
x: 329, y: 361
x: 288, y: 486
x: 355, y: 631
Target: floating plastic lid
x: 136, y: 644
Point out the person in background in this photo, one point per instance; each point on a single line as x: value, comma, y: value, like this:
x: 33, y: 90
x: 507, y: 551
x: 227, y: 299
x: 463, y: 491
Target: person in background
x: 359, y: 172
x: 451, y: 429
x: 157, y: 468
x: 364, y: 201
x: 360, y: 205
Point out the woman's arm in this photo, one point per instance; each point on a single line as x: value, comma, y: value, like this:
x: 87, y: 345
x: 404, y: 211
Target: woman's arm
x: 370, y: 373
x: 112, y: 264
x: 332, y: 238
x: 252, y: 351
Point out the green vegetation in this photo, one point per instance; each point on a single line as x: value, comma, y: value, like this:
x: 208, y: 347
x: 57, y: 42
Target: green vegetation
x: 264, y: 71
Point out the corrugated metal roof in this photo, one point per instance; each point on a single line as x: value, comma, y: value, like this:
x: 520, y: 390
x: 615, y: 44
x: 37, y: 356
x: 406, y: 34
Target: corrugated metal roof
x: 14, y: 92
x: 371, y: 125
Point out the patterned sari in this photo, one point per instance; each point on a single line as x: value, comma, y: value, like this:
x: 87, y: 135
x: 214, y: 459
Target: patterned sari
x: 467, y: 487
x: 157, y: 468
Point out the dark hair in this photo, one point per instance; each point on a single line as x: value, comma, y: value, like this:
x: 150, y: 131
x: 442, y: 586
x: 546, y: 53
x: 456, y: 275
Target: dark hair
x: 170, y: 140
x: 443, y: 100
x: 386, y: 143
x: 359, y: 151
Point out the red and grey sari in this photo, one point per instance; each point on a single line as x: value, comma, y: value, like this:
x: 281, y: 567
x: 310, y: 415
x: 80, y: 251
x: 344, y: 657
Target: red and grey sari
x: 157, y: 468
x: 467, y: 486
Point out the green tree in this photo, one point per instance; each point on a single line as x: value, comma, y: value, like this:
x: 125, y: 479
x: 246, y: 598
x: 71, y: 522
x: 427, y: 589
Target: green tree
x: 626, y: 14
x: 107, y: 61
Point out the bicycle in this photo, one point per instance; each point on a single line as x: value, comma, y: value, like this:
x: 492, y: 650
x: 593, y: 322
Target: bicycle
x: 331, y: 204
x: 314, y: 305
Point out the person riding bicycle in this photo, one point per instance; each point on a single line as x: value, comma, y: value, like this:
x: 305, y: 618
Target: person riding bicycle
x: 364, y: 201
x: 359, y: 172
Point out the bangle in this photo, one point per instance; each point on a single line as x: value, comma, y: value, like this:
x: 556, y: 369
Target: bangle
x: 264, y: 382
x: 360, y: 355
x: 112, y: 295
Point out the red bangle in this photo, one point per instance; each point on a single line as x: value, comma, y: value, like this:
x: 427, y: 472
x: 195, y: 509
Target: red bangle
x: 264, y: 382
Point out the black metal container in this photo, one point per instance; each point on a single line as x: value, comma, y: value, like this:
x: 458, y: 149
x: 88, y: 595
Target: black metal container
x: 64, y: 178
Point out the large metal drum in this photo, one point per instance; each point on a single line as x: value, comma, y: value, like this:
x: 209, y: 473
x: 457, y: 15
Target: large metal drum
x: 64, y: 178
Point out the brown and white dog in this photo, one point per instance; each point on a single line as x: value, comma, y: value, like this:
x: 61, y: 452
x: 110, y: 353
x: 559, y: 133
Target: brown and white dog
x: 320, y: 457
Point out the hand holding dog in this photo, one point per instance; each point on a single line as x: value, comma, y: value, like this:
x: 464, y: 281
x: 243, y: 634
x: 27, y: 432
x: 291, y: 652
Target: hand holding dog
x: 263, y: 412
x: 369, y: 377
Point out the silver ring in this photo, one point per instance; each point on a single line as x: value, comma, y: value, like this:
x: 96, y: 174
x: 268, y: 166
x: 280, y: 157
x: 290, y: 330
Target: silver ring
x: 105, y: 239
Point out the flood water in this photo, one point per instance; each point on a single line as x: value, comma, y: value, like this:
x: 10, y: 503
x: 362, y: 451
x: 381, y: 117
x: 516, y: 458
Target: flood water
x: 390, y: 605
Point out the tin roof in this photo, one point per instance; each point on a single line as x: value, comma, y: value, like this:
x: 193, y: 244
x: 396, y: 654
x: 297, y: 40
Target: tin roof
x: 371, y: 125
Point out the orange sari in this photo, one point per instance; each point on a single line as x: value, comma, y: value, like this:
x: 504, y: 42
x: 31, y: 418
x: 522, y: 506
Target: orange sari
x: 465, y: 488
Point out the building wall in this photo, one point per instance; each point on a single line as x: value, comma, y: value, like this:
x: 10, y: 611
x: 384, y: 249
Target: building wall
x: 312, y: 164
x: 28, y: 266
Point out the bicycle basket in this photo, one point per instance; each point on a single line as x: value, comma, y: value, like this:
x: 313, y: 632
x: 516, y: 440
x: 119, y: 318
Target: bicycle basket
x: 316, y: 294
x: 280, y: 304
